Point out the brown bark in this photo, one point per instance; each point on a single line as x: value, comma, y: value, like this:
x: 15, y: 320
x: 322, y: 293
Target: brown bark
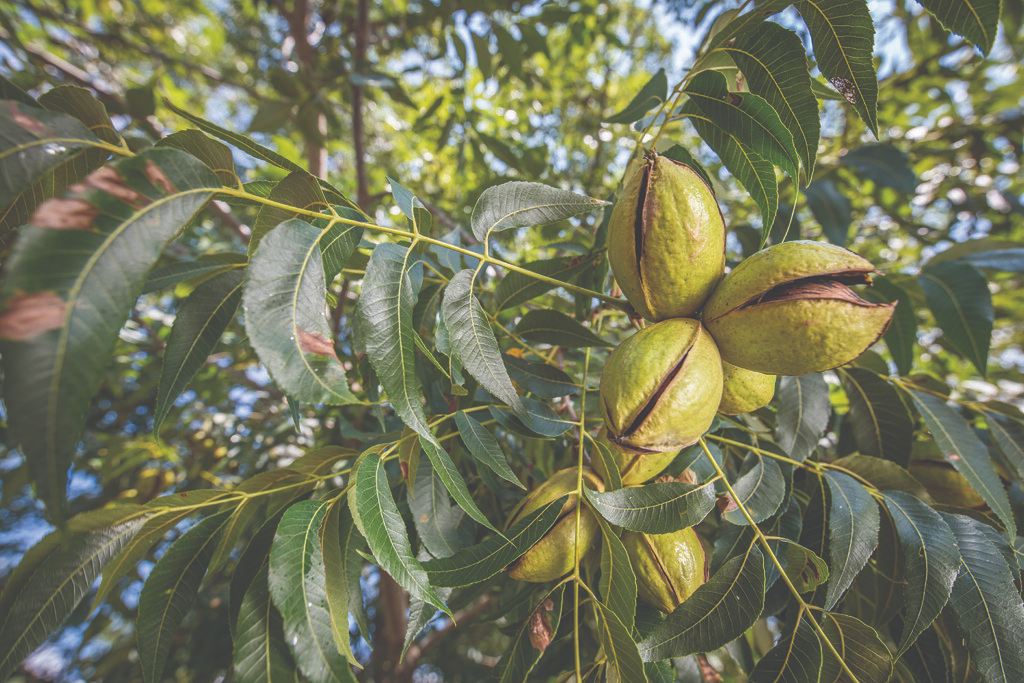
x: 392, y: 607
x: 358, y: 135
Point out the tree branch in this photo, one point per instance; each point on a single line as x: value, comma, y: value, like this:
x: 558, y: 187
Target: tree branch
x: 358, y: 136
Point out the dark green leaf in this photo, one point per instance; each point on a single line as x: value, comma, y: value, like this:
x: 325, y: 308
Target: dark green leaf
x: 171, y: 589
x: 33, y: 142
x: 410, y: 205
x: 200, y: 322
x: 340, y: 545
x: 544, y: 422
x: 796, y: 659
x: 284, y: 302
x: 618, y: 582
x: 902, y: 333
x: 296, y: 580
x: 540, y: 379
x: 805, y: 570
x: 844, y: 35
x: 54, y: 576
x: 385, y: 320
x: 962, y: 449
x: 747, y: 117
x: 932, y: 562
x: 182, y: 270
x: 756, y: 175
x: 1007, y: 260
x: 860, y: 648
x: 831, y: 209
x: 69, y: 291
x: 623, y: 664
x: 1009, y: 437
x: 926, y: 659
x: 654, y: 92
x: 853, y: 532
x: 532, y: 638
x: 299, y: 190
x: 519, y: 204
x: 958, y: 297
x: 986, y: 603
x: 453, y: 480
x: 484, y: 447
x: 214, y: 154
x: 255, y: 150
x: 883, y: 474
x: 773, y: 61
x: 885, y: 165
x: 381, y: 524
x: 655, y: 508
x: 760, y: 491
x: 261, y: 653
x: 473, y: 343
x: 432, y: 513
x: 975, y: 20
x: 882, y: 426
x: 557, y: 329
x: 484, y: 560
x: 662, y: 672
x: 716, y: 613
x: 803, y: 414
x: 250, y: 565
x: 518, y: 288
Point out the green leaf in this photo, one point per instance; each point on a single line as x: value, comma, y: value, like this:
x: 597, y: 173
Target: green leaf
x: 853, y: 532
x: 1009, y: 437
x: 171, y: 589
x: 517, y: 288
x: 410, y: 205
x: 882, y: 425
x: 773, y: 61
x: 260, y: 652
x: 975, y: 20
x: 804, y: 408
x: 902, y: 333
x: 540, y: 379
x: 756, y: 175
x: 860, y: 648
x: 747, y: 117
x: 796, y: 659
x: 655, y: 508
x: 68, y: 292
x: 1006, y: 260
x: 435, y: 519
x: 54, y: 576
x: 198, y: 325
x: 250, y: 566
x: 932, y: 562
x: 884, y: 474
x: 600, y: 452
x: 385, y: 320
x: 544, y: 422
x: 519, y: 204
x: 453, y: 481
x: 654, y: 92
x: 80, y: 104
x: 716, y: 613
x: 986, y: 603
x: 963, y: 450
x: 482, y: 561
x: 760, y: 490
x: 340, y: 543
x: 926, y: 659
x: 884, y: 164
x: 174, y: 273
x: 832, y: 210
x: 623, y: 664
x: 532, y: 638
x: 473, y: 342
x: 381, y: 523
x: 844, y: 35
x: 284, y: 302
x: 958, y: 297
x: 299, y: 190
x: 256, y: 151
x: 484, y: 447
x: 214, y: 154
x: 34, y: 142
x: 738, y: 25
x: 557, y: 329
x: 618, y: 582
x: 296, y: 579
x: 804, y: 568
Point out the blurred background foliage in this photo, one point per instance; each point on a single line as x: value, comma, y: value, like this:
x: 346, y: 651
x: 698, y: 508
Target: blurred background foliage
x: 452, y: 97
